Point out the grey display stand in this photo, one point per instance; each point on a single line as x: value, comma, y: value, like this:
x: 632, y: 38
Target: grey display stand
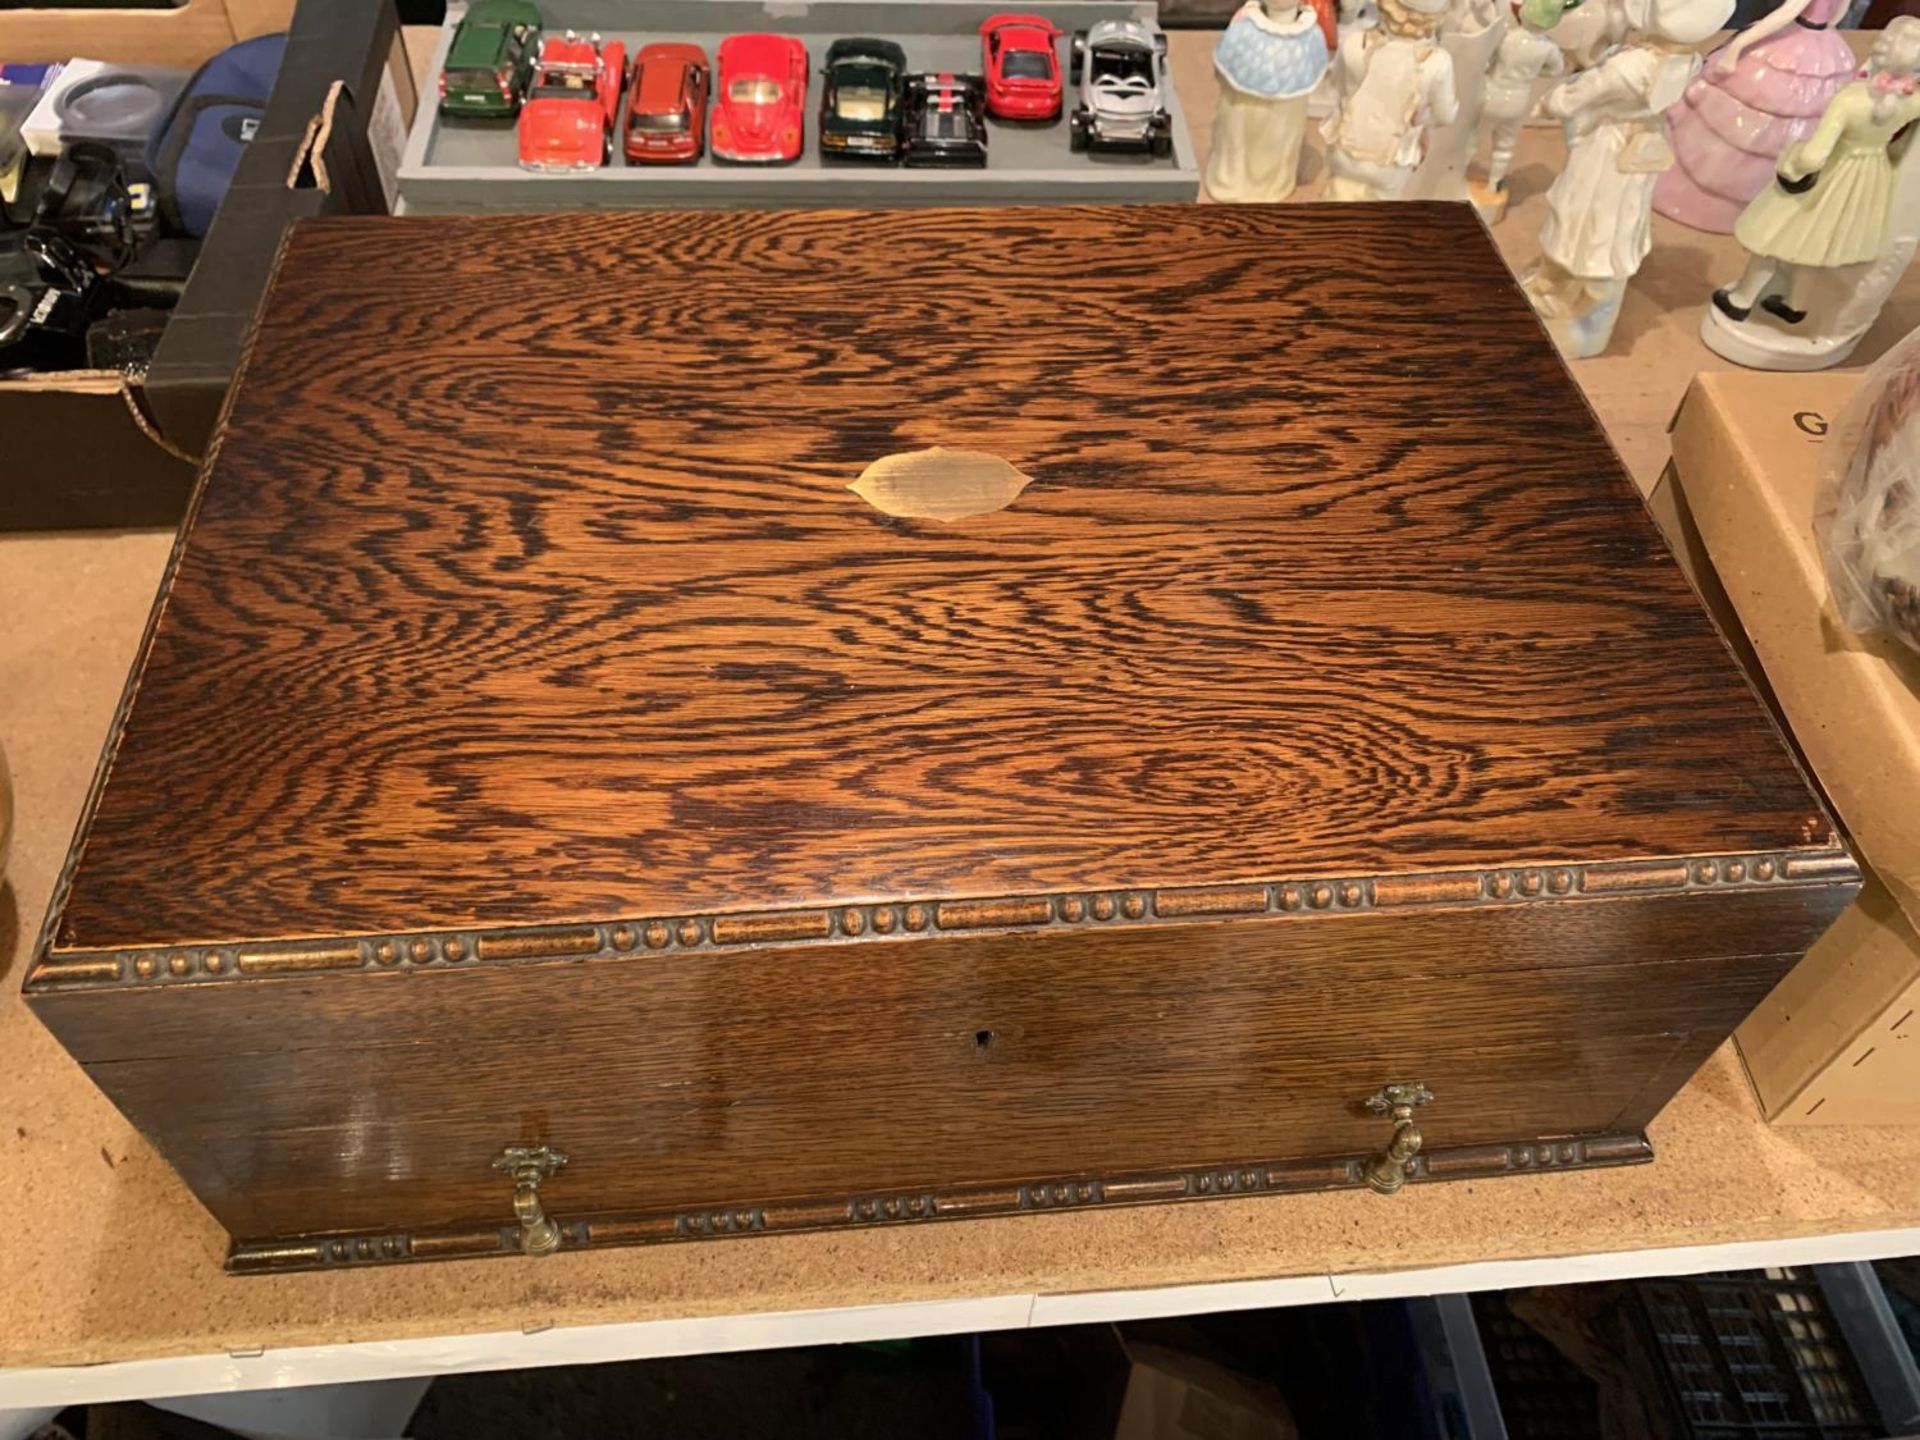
x: 463, y: 167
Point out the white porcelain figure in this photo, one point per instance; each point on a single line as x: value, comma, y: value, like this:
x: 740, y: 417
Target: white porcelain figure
x: 1526, y: 54
x: 1269, y: 59
x: 1586, y: 32
x: 1832, y: 234
x: 1350, y: 16
x: 1395, y: 81
x: 1599, y: 211
x: 1471, y: 31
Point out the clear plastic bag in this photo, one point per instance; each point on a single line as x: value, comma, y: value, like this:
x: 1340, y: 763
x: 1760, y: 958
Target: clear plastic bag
x: 1867, y: 516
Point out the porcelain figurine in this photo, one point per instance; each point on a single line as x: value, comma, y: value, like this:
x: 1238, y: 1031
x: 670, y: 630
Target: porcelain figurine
x: 1600, y: 209
x: 1349, y: 17
x: 1526, y: 54
x: 1471, y: 31
x: 1760, y: 92
x: 1587, y: 32
x: 1268, y: 61
x: 1822, y: 246
x: 1395, y: 80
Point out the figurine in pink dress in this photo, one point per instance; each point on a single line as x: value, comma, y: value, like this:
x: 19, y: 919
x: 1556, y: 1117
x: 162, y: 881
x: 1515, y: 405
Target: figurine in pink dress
x: 1757, y: 94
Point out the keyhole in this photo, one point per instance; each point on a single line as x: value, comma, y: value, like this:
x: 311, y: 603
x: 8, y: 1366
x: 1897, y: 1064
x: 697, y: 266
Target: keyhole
x: 983, y: 1040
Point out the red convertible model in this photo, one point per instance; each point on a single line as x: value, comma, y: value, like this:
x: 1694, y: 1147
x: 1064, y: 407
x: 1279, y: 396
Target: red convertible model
x: 1023, y: 68
x: 567, y: 122
x: 760, y: 100
x: 667, y: 114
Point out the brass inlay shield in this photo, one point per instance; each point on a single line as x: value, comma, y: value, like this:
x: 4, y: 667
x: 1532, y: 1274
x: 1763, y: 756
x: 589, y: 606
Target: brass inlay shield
x: 940, y: 484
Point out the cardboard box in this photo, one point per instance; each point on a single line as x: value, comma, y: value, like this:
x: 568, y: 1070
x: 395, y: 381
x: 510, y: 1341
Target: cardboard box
x: 183, y: 35
x: 102, y: 448
x: 1838, y: 1041
x: 329, y: 144
x: 1172, y: 1395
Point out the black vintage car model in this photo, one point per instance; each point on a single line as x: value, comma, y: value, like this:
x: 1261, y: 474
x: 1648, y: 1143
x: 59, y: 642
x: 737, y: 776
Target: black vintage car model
x: 860, y: 100
x: 944, y: 120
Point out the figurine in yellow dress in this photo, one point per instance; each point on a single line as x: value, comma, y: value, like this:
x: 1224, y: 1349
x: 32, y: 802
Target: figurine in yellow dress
x: 1829, y: 206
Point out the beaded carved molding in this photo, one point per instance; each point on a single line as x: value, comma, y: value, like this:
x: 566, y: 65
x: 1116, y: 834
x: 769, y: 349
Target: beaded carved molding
x: 1459, y: 1162
x: 1311, y: 897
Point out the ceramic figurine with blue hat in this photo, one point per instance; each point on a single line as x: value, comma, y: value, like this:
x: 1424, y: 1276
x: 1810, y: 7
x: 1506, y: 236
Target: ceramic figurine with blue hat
x: 1268, y: 61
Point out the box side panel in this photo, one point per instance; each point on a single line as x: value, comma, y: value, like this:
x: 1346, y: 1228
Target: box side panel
x: 1747, y: 449
x: 1874, y: 1080
x: 1808, y: 1041
x: 378, y: 1100
x: 77, y: 458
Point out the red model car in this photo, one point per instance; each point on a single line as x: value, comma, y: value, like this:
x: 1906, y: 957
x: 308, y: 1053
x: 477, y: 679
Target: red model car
x: 667, y: 108
x: 1023, y: 68
x: 760, y: 101
x: 567, y: 122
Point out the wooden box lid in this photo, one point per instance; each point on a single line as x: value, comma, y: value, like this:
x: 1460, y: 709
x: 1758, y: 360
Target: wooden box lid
x: 527, y: 589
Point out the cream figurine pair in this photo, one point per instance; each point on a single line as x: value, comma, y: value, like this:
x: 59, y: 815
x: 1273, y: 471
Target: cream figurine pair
x: 1403, y: 83
x: 1830, y: 236
x: 1600, y: 208
x: 1392, y: 78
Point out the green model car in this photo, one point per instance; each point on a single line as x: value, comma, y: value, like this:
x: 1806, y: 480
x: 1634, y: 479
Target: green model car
x: 860, y: 100
x: 491, y: 61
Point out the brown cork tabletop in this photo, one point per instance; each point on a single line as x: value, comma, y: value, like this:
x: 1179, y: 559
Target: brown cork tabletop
x: 109, y: 1259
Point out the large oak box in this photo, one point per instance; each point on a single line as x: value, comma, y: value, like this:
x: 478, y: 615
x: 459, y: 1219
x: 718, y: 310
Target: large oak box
x: 835, y: 718
x: 1838, y: 1042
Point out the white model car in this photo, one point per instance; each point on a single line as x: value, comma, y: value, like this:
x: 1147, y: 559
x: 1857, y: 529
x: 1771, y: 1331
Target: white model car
x: 1120, y: 72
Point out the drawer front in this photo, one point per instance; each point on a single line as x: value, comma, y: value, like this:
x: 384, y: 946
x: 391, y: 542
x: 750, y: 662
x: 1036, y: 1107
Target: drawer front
x: 723, y: 1080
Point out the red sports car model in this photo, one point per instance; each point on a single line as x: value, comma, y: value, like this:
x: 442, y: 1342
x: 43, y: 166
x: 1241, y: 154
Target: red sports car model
x: 760, y: 100
x: 667, y: 116
x: 1023, y: 68
x: 567, y: 121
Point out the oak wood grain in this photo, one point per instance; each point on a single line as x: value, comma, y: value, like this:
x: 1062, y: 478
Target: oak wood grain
x: 526, y: 586
x: 541, y: 741
x: 347, y: 1103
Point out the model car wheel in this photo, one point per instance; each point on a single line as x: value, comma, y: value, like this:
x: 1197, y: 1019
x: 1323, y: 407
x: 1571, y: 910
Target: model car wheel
x: 1162, y: 146
x: 1079, y: 55
x: 1077, y: 133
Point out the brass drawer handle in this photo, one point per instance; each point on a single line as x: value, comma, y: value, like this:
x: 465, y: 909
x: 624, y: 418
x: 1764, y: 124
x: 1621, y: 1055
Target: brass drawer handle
x: 1386, y: 1172
x: 529, y: 1165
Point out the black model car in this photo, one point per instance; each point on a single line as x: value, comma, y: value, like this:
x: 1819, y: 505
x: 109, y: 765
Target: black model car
x: 944, y: 120
x: 860, y: 100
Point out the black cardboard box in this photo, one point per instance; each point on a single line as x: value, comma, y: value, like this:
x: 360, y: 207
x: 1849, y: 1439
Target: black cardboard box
x: 96, y: 448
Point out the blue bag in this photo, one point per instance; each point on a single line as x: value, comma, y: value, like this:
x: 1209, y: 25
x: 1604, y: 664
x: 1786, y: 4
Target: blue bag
x: 195, y: 150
